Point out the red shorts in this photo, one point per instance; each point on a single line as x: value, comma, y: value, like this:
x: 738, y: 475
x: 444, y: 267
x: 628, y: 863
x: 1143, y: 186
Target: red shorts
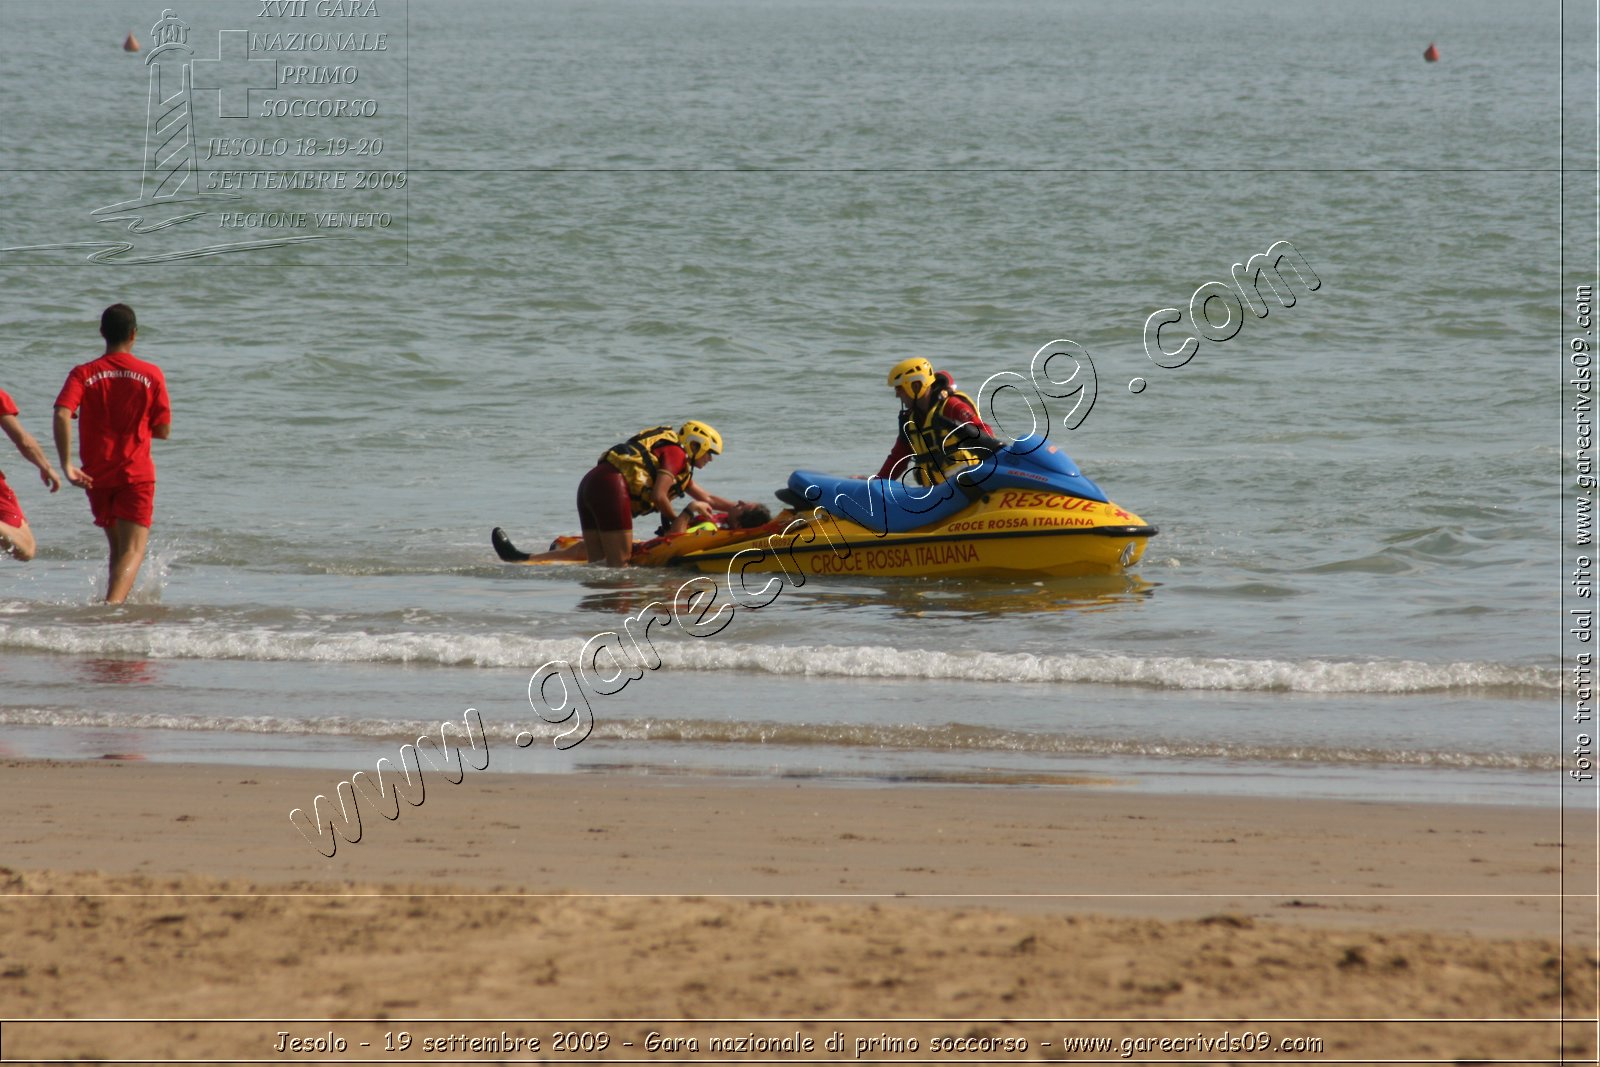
x: 10, y: 510
x: 603, y: 501
x: 135, y: 502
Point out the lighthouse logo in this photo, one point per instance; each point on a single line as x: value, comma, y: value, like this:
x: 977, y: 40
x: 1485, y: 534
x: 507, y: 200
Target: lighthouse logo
x: 170, y: 192
x: 169, y: 186
x: 169, y: 150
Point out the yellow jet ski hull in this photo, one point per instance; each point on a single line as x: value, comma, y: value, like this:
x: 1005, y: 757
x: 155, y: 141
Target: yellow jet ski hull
x: 1008, y: 533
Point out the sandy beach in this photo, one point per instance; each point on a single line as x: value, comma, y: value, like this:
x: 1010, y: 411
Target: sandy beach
x: 775, y: 912
x: 1144, y: 735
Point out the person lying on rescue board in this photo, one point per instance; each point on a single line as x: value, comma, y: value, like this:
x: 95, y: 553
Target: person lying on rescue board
x: 742, y: 516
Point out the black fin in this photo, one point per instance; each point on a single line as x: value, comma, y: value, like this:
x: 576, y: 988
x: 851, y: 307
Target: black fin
x: 504, y: 548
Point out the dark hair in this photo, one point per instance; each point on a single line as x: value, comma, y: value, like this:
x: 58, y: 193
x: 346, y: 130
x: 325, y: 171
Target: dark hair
x: 118, y: 325
x: 753, y: 516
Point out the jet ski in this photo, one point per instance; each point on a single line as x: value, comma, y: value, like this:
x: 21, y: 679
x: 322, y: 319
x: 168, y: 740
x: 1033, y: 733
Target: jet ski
x: 1025, y: 510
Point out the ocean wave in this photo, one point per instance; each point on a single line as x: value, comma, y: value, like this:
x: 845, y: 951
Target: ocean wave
x: 269, y: 645
x: 873, y: 662
x: 1156, y: 672
x: 946, y: 738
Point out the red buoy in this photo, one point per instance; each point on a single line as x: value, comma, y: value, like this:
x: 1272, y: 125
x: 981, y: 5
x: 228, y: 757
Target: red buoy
x: 1432, y: 54
x: 130, y: 44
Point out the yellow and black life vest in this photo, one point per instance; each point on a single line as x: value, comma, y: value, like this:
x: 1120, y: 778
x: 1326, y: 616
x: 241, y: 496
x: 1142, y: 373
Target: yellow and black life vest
x: 932, y: 437
x: 635, y: 460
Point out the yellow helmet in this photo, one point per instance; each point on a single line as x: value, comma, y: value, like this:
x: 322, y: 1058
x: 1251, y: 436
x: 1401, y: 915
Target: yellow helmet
x: 697, y: 439
x: 916, y: 374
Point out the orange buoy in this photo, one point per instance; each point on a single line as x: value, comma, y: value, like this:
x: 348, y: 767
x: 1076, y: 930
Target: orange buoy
x: 1432, y: 54
x: 130, y: 43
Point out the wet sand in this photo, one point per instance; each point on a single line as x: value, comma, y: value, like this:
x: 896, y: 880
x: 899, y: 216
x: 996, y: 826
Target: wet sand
x: 142, y: 891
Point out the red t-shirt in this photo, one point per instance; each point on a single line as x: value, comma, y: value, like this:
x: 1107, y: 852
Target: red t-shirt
x: 118, y: 400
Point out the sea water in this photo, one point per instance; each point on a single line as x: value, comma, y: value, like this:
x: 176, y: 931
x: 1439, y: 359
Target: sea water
x: 623, y: 214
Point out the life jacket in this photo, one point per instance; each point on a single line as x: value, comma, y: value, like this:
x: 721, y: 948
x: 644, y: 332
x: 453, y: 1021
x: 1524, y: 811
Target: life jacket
x: 635, y: 460
x: 929, y: 435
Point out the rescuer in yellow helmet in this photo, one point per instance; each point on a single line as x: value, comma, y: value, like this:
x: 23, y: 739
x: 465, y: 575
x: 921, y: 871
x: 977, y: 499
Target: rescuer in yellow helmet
x: 936, y: 420
x: 641, y: 475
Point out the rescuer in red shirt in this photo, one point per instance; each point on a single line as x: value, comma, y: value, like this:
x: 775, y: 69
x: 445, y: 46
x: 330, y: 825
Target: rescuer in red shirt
x: 641, y: 475
x: 936, y: 421
x: 120, y: 402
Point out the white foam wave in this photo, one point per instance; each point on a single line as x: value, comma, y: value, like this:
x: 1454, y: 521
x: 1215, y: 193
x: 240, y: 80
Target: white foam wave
x: 866, y: 662
x: 1161, y: 672
x: 949, y: 737
x: 272, y: 645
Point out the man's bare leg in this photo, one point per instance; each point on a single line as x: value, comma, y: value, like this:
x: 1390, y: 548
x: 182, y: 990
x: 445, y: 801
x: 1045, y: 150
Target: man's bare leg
x: 128, y: 541
x: 574, y: 552
x: 17, y: 540
x: 614, y: 547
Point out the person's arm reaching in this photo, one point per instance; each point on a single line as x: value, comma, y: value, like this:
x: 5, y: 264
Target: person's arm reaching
x: 63, y: 435
x: 716, y: 503
x: 897, y: 458
x: 661, y: 497
x: 161, y: 411
x: 30, y: 450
